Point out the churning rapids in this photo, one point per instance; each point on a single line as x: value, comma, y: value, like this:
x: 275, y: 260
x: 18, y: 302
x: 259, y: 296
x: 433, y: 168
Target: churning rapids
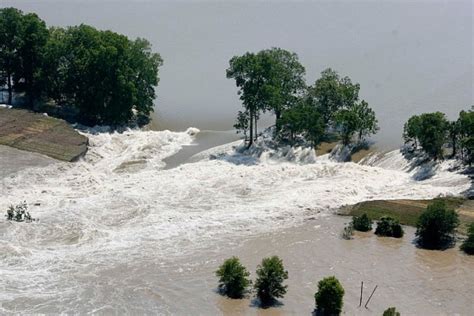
x: 116, y: 226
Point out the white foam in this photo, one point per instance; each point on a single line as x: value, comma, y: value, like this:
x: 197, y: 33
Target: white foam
x: 118, y: 204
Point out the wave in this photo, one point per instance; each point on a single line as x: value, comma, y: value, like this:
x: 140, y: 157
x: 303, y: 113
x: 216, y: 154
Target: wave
x: 119, y: 204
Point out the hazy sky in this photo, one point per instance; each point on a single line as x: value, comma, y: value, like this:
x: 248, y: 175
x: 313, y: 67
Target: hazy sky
x: 408, y: 56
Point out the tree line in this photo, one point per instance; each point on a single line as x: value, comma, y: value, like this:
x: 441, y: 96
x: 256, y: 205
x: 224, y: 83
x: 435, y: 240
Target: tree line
x: 272, y: 80
x: 105, y: 77
x: 433, y: 132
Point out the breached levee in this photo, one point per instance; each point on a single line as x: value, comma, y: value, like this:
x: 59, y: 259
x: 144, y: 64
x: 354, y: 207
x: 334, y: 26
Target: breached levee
x: 118, y: 205
x: 38, y: 133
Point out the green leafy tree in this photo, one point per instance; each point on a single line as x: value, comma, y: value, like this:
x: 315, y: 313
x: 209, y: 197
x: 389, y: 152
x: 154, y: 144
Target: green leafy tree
x: 11, y: 31
x: 362, y: 223
x: 431, y: 130
x: 468, y: 244
x: 302, y: 119
x: 348, y: 123
x: 271, y: 79
x: 233, y: 278
x: 391, y: 311
x: 329, y: 297
x: 33, y: 41
x: 389, y: 227
x: 436, y: 226
x: 242, y: 123
x: 331, y: 93
x: 466, y: 135
x: 411, y: 130
x: 367, y: 122
x: 270, y: 277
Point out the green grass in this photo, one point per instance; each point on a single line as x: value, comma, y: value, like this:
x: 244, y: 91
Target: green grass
x: 406, y: 211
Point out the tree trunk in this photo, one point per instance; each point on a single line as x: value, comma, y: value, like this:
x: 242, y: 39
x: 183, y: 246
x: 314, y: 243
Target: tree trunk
x: 251, y: 130
x: 454, y: 146
x: 10, y: 90
x: 256, y: 130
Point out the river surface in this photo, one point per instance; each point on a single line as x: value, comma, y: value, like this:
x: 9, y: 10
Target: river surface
x: 130, y: 230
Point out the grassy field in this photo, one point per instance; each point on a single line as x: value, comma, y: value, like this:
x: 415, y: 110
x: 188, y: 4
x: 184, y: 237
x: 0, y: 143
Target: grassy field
x: 39, y: 133
x: 408, y: 211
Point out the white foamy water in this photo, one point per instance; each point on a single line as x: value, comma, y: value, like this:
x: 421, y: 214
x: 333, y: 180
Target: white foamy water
x: 118, y: 208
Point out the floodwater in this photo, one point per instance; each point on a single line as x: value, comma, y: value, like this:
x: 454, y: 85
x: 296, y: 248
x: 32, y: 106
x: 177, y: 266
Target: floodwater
x: 121, y: 232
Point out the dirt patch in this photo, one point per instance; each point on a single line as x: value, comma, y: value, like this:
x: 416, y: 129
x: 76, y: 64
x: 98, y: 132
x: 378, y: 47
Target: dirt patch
x: 39, y: 133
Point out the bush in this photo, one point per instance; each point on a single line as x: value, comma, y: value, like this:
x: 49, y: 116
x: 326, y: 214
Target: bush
x: 389, y: 227
x: 391, y: 311
x: 348, y: 232
x: 468, y: 244
x: 233, y: 278
x: 362, y: 223
x: 436, y: 226
x: 19, y: 213
x: 329, y: 296
x: 270, y: 277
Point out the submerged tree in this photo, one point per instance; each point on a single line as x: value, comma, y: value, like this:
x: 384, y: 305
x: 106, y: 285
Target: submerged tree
x: 329, y: 297
x: 270, y: 277
x: 436, y: 226
x: 233, y: 278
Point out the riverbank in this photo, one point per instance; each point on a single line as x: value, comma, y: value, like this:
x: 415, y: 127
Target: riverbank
x: 42, y: 134
x: 408, y: 211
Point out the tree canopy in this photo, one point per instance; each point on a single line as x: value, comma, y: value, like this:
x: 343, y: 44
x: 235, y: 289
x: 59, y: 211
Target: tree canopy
x: 106, y: 77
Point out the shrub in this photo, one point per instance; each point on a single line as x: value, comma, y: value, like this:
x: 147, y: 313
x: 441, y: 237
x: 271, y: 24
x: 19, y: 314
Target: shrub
x: 19, y: 213
x: 436, y: 226
x: 270, y: 277
x: 233, y: 278
x: 391, y: 311
x: 468, y: 244
x: 389, y: 227
x: 329, y: 296
x: 348, y: 232
x: 362, y: 223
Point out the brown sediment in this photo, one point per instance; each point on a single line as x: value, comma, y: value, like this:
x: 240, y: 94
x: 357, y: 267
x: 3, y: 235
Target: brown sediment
x: 39, y: 133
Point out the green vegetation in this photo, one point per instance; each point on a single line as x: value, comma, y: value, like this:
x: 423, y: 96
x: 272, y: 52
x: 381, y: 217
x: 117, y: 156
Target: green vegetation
x: 329, y: 297
x: 233, y: 278
x: 436, y: 226
x: 468, y: 244
x: 19, y: 213
x: 348, y: 232
x: 104, y: 76
x: 362, y: 223
x: 389, y: 227
x: 432, y: 132
x: 270, y: 277
x: 391, y: 311
x: 273, y: 80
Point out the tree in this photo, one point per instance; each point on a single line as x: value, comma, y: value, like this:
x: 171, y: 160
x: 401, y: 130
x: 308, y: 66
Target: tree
x: 271, y: 79
x: 329, y: 297
x: 270, y: 277
x: 330, y: 93
x: 466, y: 135
x: 436, y: 226
x: 411, y: 130
x: 468, y: 244
x: 242, y: 123
x: 391, y: 311
x: 389, y: 227
x: 430, y: 129
x: 454, y: 129
x: 11, y: 31
x: 233, y: 278
x: 362, y: 223
x: 128, y: 73
x: 348, y: 123
x: 303, y: 119
x: 367, y: 124
x: 34, y: 36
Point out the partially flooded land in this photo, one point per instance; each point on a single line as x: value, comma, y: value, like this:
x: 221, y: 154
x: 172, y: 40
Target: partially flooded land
x: 151, y: 236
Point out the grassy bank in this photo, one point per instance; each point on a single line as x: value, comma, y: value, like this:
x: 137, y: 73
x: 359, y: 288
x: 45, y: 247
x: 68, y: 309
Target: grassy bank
x: 36, y: 132
x: 408, y: 211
